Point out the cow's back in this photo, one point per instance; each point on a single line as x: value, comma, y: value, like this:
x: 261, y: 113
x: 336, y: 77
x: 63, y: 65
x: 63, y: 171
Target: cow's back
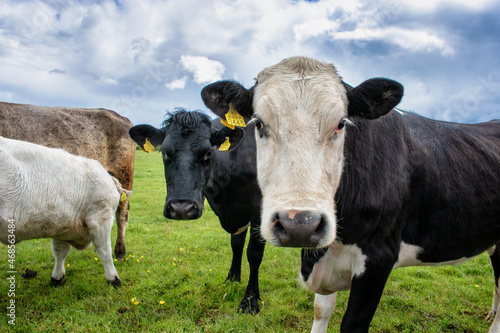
x: 98, y: 134
x: 49, y: 192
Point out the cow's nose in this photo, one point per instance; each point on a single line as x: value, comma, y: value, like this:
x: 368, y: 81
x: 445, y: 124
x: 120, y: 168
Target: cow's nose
x: 299, y: 229
x: 182, y: 210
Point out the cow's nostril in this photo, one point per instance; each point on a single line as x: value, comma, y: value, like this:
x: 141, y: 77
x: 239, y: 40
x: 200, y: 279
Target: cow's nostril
x: 193, y: 212
x: 320, y: 230
x: 278, y: 228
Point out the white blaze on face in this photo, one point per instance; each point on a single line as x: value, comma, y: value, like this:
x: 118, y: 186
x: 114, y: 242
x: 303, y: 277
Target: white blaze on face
x: 300, y: 102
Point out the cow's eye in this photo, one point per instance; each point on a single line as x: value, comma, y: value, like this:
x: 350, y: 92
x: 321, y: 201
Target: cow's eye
x: 208, y: 155
x: 341, y: 124
x: 259, y: 125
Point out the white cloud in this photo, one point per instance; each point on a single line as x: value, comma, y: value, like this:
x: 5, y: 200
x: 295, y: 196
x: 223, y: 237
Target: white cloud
x: 107, y: 81
x: 203, y: 69
x: 432, y: 5
x: 132, y: 51
x: 314, y: 28
x: 5, y: 95
x: 412, y: 40
x: 177, y: 84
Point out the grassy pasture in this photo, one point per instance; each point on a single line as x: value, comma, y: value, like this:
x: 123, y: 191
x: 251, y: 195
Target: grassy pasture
x: 173, y: 281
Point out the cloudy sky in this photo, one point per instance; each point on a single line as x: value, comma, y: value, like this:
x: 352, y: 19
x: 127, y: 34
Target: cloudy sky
x: 144, y: 58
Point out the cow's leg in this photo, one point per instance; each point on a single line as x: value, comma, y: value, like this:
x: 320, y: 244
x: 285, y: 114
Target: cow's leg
x: 61, y: 250
x: 124, y: 172
x: 102, y: 243
x: 366, y: 291
x: 237, y: 245
x: 323, y: 310
x: 492, y: 315
x: 122, y: 215
x: 495, y: 327
x: 255, y: 252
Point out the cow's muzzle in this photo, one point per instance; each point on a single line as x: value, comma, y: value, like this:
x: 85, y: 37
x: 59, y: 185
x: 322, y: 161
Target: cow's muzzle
x: 304, y: 229
x: 182, y: 210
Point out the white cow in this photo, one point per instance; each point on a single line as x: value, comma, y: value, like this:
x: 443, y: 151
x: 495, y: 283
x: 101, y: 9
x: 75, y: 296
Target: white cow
x: 49, y: 193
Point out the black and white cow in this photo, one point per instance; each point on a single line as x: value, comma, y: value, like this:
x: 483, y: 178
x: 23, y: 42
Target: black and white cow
x: 372, y: 188
x: 195, y: 169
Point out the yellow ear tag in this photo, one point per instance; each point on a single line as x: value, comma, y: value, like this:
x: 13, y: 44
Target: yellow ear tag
x: 225, y: 146
x: 123, y: 197
x: 224, y: 122
x: 148, y: 147
x: 234, y: 118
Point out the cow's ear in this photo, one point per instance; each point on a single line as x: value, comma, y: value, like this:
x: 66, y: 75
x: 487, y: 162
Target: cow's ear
x: 144, y: 134
x: 226, y: 138
x: 374, y: 97
x: 218, y: 95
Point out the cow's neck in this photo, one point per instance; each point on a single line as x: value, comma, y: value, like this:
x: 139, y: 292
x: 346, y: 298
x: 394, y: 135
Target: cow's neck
x: 372, y: 155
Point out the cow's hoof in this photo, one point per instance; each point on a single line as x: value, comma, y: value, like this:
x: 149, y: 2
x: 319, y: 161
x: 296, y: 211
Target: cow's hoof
x: 491, y: 315
x: 119, y: 251
x: 29, y: 274
x: 249, y: 305
x: 116, y: 282
x: 56, y: 282
x: 233, y: 278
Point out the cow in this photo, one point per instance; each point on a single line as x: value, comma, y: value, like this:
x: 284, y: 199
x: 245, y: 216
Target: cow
x: 50, y: 193
x: 99, y: 134
x: 362, y: 187
x: 195, y: 168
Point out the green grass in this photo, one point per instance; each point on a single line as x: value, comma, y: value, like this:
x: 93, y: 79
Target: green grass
x: 184, y: 264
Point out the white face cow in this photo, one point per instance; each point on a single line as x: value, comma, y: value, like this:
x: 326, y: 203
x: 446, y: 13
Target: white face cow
x: 300, y: 110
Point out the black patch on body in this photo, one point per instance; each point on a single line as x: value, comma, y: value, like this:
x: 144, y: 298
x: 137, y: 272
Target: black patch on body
x: 309, y: 258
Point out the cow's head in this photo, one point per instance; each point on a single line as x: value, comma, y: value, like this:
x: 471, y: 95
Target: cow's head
x: 302, y: 113
x: 186, y: 142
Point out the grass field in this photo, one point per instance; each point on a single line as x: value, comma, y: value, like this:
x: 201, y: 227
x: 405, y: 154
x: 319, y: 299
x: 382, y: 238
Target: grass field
x: 173, y: 281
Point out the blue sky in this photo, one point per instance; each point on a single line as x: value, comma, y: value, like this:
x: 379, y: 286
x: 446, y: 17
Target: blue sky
x: 144, y: 58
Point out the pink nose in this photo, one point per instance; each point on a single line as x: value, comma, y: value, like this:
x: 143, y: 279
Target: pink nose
x: 299, y: 228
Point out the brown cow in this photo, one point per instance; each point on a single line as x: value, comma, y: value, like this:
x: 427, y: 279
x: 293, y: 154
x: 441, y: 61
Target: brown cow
x: 99, y: 134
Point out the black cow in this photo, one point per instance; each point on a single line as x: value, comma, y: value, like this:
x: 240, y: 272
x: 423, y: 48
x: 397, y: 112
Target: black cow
x: 195, y: 168
x: 408, y: 190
